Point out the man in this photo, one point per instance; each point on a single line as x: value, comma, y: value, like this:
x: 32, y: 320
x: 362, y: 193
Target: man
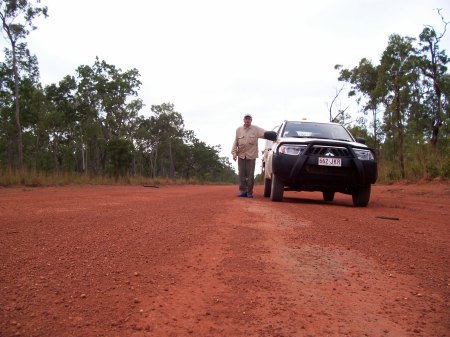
x: 245, y: 149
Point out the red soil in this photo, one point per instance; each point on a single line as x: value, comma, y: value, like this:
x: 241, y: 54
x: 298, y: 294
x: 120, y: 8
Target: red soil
x: 198, y: 261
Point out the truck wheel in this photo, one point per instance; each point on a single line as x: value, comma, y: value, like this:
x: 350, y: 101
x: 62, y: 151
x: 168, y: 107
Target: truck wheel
x: 361, y: 196
x: 328, y: 195
x: 267, y: 187
x: 277, y: 189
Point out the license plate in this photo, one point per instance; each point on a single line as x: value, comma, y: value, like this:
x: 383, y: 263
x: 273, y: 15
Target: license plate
x: 329, y: 161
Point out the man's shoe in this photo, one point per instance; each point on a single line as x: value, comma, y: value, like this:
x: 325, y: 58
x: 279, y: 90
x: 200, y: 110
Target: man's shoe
x: 249, y: 195
x: 242, y: 195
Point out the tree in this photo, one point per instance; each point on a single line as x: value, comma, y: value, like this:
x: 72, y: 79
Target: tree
x: 17, y: 21
x: 203, y: 162
x: 7, y: 125
x: 31, y: 99
x: 60, y: 123
x: 168, y: 126
x: 159, y: 136
x: 363, y: 79
x: 340, y: 116
x: 120, y: 150
x: 433, y: 64
x: 396, y: 78
x: 104, y: 109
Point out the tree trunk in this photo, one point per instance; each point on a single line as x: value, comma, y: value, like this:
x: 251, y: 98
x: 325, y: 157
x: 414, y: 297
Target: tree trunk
x: 17, y: 110
x: 400, y: 134
x: 55, y: 156
x: 375, y: 132
x: 154, y: 163
x: 171, y: 163
x: 438, y: 120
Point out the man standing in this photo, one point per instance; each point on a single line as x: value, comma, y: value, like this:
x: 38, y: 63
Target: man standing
x: 245, y: 149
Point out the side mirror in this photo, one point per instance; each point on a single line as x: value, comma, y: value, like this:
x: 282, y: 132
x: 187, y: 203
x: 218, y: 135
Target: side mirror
x: 360, y: 140
x: 270, y: 135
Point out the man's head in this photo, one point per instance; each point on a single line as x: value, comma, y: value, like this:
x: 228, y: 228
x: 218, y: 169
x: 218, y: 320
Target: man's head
x: 247, y: 120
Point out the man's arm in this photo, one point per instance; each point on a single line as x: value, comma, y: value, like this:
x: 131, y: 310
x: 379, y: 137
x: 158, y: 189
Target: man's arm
x: 260, y: 132
x: 234, y: 148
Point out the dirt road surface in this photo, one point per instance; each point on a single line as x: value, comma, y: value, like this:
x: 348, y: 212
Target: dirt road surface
x: 198, y: 261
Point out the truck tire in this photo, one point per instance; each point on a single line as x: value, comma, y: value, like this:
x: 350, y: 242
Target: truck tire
x: 267, y: 187
x: 361, y: 196
x: 277, y: 189
x: 328, y: 195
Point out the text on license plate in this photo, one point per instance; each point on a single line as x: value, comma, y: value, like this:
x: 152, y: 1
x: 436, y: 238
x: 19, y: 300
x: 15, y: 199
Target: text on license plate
x: 329, y: 161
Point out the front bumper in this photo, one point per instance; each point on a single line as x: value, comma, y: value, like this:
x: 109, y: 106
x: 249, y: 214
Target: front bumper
x: 302, y: 172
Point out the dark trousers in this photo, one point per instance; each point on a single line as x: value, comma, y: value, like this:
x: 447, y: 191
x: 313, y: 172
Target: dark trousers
x: 246, y: 168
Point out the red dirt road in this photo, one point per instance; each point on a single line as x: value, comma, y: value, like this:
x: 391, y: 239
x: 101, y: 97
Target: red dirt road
x: 198, y: 261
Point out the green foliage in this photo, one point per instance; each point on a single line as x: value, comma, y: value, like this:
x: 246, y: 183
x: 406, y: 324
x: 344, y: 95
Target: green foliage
x: 408, y: 95
x: 89, y: 124
x: 363, y: 133
x: 167, y: 149
x: 445, y: 169
x: 120, y: 155
x: 17, y: 21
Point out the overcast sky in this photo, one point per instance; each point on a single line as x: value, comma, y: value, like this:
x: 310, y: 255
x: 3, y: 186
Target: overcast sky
x: 217, y: 60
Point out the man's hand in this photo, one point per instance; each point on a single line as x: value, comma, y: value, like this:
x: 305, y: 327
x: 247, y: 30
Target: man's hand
x: 234, y: 157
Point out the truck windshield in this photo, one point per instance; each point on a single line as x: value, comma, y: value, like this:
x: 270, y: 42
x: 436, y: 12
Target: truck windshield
x: 316, y: 130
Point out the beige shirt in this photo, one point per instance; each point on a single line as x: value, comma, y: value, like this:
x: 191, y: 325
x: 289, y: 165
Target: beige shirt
x: 245, y: 144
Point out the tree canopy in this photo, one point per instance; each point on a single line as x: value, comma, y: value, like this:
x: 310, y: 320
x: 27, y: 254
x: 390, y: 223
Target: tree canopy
x: 408, y: 96
x: 90, y: 123
x: 17, y: 22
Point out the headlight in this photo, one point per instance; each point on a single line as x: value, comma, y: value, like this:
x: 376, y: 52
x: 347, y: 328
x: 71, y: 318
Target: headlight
x: 364, y: 154
x: 293, y: 150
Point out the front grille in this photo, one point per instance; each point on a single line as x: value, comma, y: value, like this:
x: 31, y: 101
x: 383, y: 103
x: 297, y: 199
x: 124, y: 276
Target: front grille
x: 322, y: 150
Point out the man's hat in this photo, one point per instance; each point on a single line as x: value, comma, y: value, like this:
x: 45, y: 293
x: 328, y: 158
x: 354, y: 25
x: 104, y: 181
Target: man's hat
x: 247, y: 115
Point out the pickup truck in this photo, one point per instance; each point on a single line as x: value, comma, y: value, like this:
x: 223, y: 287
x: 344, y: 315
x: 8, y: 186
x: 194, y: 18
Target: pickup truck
x: 312, y: 156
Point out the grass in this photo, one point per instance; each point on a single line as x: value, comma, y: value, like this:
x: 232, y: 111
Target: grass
x: 36, y: 179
